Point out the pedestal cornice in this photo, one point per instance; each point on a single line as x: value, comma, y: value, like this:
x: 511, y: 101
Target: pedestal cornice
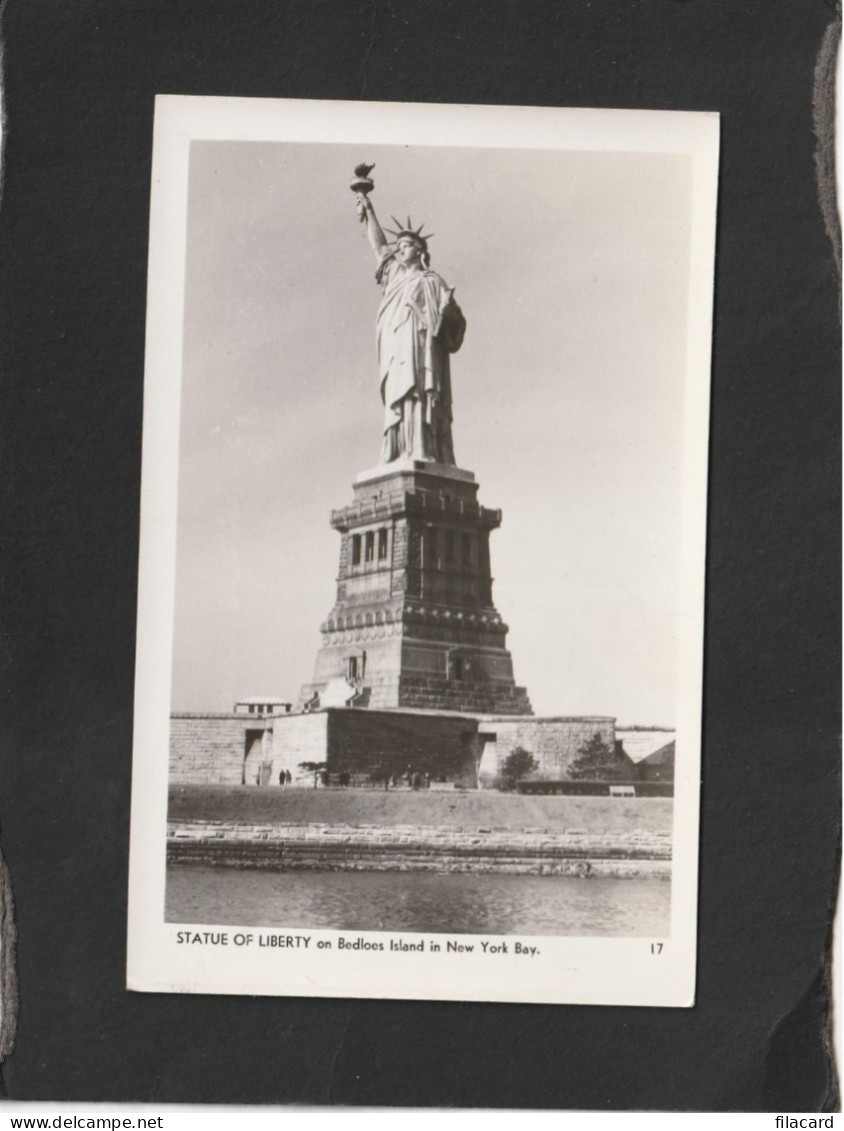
x: 399, y: 502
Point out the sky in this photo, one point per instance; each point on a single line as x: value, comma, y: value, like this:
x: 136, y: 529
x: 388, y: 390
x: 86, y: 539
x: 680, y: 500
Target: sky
x: 572, y: 270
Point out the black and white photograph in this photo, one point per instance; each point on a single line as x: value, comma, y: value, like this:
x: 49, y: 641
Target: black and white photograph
x: 422, y: 552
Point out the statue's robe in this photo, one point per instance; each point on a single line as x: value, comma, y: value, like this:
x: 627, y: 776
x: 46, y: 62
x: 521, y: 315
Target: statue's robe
x: 419, y: 325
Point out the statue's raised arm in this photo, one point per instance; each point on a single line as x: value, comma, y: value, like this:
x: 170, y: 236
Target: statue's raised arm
x: 418, y: 326
x: 374, y: 232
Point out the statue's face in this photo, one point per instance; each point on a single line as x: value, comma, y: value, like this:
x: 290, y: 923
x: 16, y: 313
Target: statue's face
x: 408, y: 252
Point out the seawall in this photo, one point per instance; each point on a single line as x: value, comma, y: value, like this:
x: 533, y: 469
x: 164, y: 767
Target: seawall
x: 432, y: 848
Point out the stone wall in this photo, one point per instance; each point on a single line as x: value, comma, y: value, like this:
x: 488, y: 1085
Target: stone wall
x: 554, y: 742
x: 296, y: 739
x: 210, y: 748
x: 224, y: 749
x: 414, y: 848
x: 471, y: 696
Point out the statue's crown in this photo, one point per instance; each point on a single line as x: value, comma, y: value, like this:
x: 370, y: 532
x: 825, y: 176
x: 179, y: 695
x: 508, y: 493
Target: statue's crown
x: 409, y: 230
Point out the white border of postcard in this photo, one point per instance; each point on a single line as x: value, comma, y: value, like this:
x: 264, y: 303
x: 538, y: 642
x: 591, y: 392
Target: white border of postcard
x: 592, y: 971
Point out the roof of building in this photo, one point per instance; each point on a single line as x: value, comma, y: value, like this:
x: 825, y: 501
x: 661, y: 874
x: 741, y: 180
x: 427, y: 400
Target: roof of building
x: 640, y: 744
x: 662, y: 757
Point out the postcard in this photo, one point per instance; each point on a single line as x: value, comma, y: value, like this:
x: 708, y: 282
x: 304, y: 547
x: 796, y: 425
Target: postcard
x: 423, y: 531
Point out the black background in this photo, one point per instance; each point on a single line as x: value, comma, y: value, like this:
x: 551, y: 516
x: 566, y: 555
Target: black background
x: 80, y: 81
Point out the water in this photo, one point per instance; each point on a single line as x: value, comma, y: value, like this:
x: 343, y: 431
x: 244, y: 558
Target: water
x: 418, y: 901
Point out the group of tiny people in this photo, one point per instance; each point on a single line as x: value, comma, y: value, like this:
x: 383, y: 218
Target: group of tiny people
x: 409, y: 779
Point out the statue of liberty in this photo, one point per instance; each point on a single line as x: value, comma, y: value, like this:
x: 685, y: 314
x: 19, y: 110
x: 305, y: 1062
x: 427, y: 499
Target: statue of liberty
x: 419, y: 325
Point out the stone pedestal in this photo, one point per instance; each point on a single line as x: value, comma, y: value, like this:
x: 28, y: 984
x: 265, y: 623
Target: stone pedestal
x: 414, y: 624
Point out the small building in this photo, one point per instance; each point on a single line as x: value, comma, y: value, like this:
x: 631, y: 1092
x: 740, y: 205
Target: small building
x: 659, y: 766
x: 640, y: 741
x: 262, y: 705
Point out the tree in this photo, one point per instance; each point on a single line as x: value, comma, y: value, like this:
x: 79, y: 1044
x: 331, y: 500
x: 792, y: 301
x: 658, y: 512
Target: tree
x: 518, y: 764
x: 597, y: 761
x: 315, y: 768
